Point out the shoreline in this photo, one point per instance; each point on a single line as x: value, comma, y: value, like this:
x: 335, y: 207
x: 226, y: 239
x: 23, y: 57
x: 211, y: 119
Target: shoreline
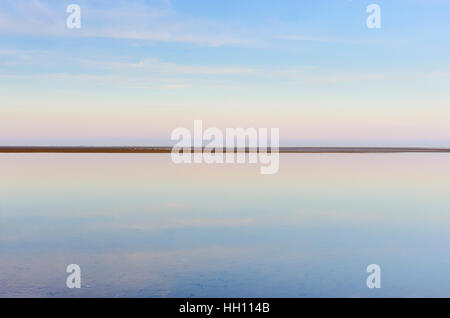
x: 165, y: 149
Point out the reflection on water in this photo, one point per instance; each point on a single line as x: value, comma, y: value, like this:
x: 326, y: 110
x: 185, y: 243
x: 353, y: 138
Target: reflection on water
x: 139, y: 225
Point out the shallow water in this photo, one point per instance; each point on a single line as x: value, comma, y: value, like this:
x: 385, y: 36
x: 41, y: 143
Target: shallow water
x: 139, y: 225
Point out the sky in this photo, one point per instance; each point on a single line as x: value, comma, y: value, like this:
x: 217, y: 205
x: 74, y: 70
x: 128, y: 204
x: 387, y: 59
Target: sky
x: 136, y: 70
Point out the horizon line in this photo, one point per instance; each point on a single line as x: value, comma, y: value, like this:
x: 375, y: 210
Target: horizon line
x: 168, y: 149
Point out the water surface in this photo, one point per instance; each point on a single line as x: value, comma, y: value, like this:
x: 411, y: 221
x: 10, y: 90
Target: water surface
x: 140, y: 226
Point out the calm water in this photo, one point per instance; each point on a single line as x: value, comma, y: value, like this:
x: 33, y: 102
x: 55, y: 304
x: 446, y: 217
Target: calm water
x: 139, y: 225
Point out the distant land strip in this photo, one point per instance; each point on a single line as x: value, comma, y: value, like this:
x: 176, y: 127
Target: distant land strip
x: 163, y: 149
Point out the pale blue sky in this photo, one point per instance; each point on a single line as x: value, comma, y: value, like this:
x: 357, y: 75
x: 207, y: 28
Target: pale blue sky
x: 138, y: 69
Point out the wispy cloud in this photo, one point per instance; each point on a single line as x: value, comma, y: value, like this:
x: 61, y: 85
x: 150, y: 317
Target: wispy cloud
x: 315, y: 76
x: 150, y: 73
x: 161, y: 67
x: 153, y: 73
x: 313, y: 39
x: 133, y: 21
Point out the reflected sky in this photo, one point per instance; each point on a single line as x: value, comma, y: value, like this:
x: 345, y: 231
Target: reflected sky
x: 141, y: 226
